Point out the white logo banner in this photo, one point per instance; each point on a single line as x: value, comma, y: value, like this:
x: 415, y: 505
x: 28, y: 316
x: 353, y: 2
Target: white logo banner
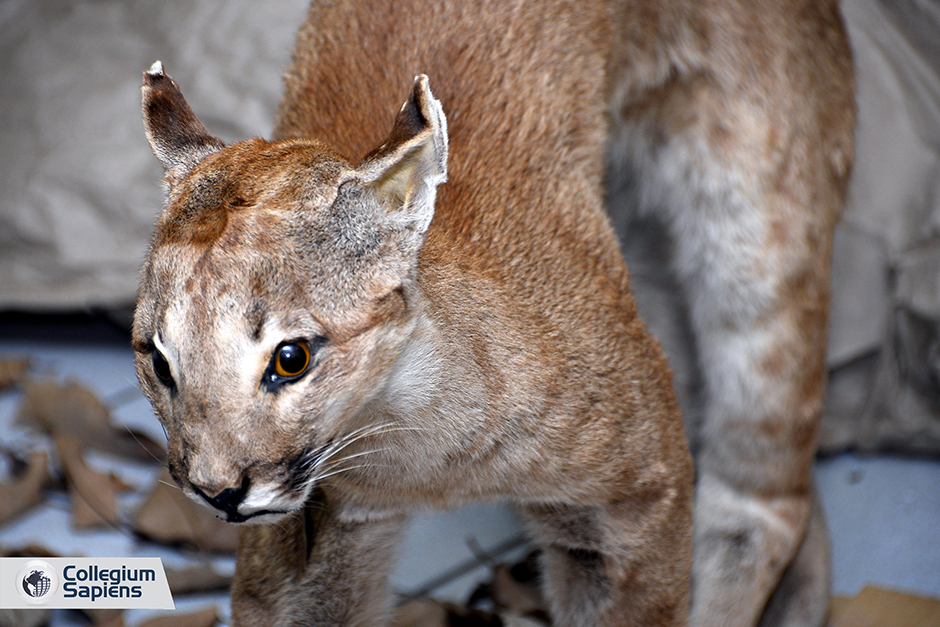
x: 84, y: 583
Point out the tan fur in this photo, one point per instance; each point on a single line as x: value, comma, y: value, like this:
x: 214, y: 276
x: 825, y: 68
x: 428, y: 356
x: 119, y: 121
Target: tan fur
x: 495, y: 351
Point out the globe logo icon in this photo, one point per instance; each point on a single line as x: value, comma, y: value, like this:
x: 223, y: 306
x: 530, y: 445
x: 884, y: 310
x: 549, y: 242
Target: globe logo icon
x: 37, y: 584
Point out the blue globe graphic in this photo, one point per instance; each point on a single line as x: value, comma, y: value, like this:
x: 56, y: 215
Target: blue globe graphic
x: 37, y: 583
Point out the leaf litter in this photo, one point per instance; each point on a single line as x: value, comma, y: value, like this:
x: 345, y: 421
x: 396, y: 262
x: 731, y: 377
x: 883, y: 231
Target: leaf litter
x: 74, y: 421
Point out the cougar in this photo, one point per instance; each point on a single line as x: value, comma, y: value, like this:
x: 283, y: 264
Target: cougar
x: 394, y: 307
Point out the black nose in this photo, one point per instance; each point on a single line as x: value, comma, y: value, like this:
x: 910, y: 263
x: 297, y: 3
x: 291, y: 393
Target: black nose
x: 228, y: 499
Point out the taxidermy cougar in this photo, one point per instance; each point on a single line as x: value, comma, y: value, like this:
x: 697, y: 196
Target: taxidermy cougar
x: 396, y: 307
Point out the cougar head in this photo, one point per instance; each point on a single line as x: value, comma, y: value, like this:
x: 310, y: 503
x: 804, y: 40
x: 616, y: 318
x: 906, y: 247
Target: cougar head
x: 276, y: 295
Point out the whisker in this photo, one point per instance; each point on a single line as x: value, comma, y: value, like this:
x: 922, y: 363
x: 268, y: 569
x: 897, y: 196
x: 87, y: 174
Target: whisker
x: 363, y: 432
x: 384, y: 427
x: 360, y: 434
x: 343, y: 442
x: 142, y: 445
x: 342, y: 470
x: 325, y: 459
x: 334, y: 462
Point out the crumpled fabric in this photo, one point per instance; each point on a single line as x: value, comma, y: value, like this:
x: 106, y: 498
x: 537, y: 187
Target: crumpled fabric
x: 80, y: 189
x: 884, y: 345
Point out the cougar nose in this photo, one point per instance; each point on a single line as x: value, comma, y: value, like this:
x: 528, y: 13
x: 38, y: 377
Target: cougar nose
x: 227, y: 499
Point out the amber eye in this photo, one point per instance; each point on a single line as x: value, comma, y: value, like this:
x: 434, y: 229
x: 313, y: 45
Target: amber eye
x: 292, y: 359
x: 161, y: 368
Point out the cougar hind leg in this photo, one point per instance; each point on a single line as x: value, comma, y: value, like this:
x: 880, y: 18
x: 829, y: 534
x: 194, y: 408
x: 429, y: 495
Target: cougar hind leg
x: 749, y: 196
x: 801, y: 599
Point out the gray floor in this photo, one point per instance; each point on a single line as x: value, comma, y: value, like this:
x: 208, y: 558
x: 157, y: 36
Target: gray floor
x: 884, y: 522
x: 884, y: 513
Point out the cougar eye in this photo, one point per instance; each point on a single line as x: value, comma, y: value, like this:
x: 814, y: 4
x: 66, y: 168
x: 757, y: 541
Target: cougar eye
x: 291, y: 359
x: 161, y: 368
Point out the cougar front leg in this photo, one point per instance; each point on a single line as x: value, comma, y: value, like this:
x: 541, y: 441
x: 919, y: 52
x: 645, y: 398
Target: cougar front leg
x: 317, y: 568
x: 617, y: 565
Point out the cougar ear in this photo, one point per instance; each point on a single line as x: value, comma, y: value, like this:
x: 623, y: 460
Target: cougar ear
x: 176, y: 135
x: 405, y: 170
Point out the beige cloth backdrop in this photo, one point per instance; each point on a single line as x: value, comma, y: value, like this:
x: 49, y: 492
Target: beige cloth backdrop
x: 79, y: 187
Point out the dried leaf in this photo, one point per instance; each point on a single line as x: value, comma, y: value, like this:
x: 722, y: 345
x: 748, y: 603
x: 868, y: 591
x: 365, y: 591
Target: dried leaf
x: 459, y: 616
x: 105, y: 617
x: 876, y: 607
x: 26, y: 490
x: 32, y: 617
x: 196, y: 579
x: 431, y: 613
x: 30, y: 550
x: 509, y: 620
x: 515, y: 597
x: 12, y: 372
x: 92, y: 493
x: 171, y: 517
x: 66, y: 408
x: 73, y: 410
x: 117, y: 484
x: 84, y: 516
x: 202, y: 618
x: 421, y: 613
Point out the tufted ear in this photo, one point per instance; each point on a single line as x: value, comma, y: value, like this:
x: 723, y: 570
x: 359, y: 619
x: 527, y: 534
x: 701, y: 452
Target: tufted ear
x: 176, y: 135
x: 405, y: 170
